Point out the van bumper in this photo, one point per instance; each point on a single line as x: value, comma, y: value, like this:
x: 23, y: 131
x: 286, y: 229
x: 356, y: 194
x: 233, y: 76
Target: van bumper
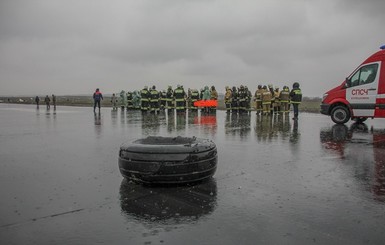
x: 325, y: 109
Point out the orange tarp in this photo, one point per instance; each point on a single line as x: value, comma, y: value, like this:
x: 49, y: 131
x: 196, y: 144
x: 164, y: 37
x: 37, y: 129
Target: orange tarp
x: 206, y: 103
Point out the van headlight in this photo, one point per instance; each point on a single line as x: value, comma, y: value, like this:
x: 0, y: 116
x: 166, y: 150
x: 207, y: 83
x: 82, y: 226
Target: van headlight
x: 324, y: 97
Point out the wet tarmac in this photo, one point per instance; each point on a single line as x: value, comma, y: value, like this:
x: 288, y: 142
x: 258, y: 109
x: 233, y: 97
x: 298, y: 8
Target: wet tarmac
x: 277, y: 182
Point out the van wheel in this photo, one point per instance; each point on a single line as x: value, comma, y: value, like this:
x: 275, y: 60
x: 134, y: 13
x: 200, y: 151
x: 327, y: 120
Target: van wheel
x: 340, y: 114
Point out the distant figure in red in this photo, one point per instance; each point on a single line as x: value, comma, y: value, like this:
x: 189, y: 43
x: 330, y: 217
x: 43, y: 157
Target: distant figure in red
x: 97, y: 97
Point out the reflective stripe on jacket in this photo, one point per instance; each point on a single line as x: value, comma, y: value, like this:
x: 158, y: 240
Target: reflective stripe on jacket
x: 296, y: 96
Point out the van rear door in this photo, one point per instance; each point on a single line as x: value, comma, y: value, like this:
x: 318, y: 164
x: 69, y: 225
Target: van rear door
x: 363, y: 88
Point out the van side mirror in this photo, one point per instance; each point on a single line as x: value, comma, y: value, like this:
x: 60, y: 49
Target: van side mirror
x: 348, y: 83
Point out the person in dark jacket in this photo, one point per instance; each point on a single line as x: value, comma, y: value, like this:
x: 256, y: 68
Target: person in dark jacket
x: 170, y: 99
x: 129, y: 97
x: 97, y: 97
x: 180, y: 101
x: 54, y: 101
x: 154, y: 100
x: 145, y: 99
x: 47, y: 101
x: 37, y: 100
x: 295, y: 98
x: 234, y: 100
x: 194, y: 98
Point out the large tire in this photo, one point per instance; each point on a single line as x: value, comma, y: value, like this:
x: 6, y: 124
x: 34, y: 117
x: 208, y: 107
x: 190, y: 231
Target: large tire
x: 340, y: 114
x: 167, y: 160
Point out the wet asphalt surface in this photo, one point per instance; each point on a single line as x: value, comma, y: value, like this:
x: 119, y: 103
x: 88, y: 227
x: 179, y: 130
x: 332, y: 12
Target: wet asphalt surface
x: 277, y: 182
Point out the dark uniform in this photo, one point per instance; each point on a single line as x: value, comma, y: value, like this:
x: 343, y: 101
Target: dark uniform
x: 180, y: 102
x: 37, y: 100
x: 271, y: 89
x: 47, y: 100
x: 154, y: 100
x: 296, y: 98
x: 188, y: 99
x: 242, y: 99
x: 54, y: 101
x: 163, y: 99
x: 194, y: 98
x: 144, y: 99
x: 170, y: 98
x: 248, y: 99
x: 97, y: 97
x: 234, y: 100
x: 130, y: 104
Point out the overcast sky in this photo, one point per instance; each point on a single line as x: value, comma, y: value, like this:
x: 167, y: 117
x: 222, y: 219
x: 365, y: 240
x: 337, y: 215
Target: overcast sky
x: 74, y: 46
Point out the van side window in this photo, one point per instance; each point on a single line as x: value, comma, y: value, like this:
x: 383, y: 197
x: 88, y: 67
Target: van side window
x: 364, y: 75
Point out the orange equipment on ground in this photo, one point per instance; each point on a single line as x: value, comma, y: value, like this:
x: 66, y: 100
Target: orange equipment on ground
x: 206, y: 103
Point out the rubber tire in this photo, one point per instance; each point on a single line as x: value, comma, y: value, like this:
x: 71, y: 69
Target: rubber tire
x: 340, y: 114
x: 167, y: 160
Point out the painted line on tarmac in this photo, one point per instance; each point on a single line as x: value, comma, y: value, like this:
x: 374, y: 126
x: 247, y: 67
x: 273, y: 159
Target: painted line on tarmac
x: 40, y: 218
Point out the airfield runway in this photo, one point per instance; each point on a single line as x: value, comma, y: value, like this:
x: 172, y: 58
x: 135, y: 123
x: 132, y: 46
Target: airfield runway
x: 277, y: 181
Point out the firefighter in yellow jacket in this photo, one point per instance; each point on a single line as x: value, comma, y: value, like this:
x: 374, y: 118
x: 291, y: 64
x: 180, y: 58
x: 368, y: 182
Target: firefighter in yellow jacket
x: 277, y: 103
x: 258, y: 99
x: 266, y: 100
x: 228, y: 99
x: 284, y: 98
x: 213, y: 96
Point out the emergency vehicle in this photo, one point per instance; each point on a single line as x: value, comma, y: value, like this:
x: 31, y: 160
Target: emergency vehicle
x: 361, y: 95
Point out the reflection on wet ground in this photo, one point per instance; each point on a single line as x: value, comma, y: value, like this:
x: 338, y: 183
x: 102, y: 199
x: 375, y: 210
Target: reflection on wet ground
x: 362, y: 149
x: 278, y: 181
x: 167, y: 205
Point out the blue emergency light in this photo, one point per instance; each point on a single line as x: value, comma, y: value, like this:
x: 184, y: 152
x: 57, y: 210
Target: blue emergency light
x: 382, y: 47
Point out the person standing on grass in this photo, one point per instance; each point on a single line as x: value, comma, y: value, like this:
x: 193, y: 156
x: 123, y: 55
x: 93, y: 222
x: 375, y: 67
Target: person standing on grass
x: 97, y: 97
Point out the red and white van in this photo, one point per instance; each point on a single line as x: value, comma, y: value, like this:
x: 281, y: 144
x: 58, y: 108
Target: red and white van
x: 361, y: 95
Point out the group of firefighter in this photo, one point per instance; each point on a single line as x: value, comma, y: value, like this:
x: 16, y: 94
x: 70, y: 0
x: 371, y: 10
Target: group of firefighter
x: 154, y: 101
x: 268, y: 100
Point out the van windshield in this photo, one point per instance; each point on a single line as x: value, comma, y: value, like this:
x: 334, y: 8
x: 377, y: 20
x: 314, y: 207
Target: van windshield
x: 366, y: 74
